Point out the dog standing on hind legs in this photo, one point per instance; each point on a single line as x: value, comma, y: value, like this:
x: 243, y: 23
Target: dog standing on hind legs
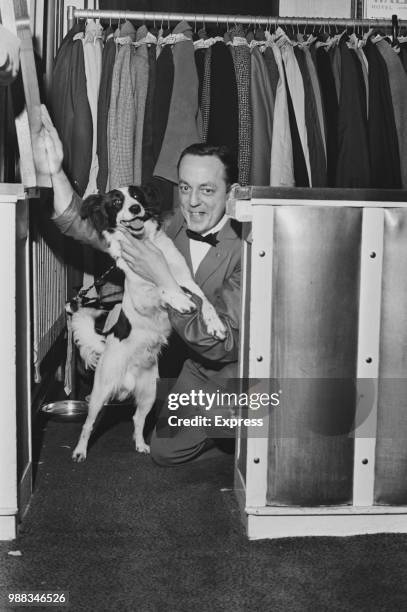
x: 127, y: 361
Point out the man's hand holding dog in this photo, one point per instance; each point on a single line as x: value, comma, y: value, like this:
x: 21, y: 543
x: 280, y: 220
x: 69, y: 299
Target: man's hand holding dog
x: 145, y: 259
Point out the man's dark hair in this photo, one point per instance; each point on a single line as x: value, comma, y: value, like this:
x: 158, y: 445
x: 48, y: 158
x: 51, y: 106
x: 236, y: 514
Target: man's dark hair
x: 222, y: 152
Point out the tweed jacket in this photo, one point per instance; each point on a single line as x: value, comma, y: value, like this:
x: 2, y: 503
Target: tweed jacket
x: 205, y: 102
x: 241, y: 60
x: 122, y: 115
x: 140, y: 72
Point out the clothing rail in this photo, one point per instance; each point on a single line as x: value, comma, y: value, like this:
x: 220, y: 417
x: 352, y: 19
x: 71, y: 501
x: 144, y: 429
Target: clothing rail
x: 74, y: 13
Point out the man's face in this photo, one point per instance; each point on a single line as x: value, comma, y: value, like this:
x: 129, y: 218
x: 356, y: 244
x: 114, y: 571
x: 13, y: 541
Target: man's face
x: 202, y: 191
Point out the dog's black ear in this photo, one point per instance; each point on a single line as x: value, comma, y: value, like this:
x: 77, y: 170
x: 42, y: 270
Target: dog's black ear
x: 93, y: 208
x: 151, y: 197
x: 89, y: 204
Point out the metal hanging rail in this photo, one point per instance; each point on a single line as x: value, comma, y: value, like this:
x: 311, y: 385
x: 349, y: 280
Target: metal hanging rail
x: 74, y: 13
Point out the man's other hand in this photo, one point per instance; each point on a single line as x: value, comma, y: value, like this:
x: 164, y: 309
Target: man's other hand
x: 47, y: 147
x: 9, y: 56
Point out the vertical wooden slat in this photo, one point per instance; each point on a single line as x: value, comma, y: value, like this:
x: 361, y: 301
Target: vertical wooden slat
x: 15, y: 17
x: 260, y: 348
x: 368, y: 355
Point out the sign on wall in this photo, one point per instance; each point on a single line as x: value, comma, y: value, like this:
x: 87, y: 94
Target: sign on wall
x: 380, y: 9
x: 316, y: 8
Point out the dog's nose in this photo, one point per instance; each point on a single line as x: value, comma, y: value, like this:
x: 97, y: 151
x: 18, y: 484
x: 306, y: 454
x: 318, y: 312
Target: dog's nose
x: 135, y: 209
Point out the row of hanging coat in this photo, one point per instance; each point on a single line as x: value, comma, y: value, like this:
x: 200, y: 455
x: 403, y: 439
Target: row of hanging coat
x: 307, y: 112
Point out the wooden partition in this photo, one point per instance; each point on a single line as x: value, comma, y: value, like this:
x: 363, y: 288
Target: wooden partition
x: 324, y: 315
x: 15, y: 370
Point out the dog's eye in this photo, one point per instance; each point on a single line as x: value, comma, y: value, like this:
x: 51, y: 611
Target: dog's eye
x: 117, y: 204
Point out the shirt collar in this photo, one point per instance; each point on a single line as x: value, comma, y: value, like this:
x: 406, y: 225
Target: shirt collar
x: 218, y: 226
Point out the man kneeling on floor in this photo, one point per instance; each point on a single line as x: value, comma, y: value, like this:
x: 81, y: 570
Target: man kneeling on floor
x: 211, y: 245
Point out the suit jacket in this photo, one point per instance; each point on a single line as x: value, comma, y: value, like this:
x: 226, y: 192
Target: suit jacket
x: 330, y: 102
x: 383, y: 140
x: 162, y: 98
x: 219, y: 278
x: 148, y: 162
x: 71, y: 111
x: 398, y: 90
x: 353, y: 167
x: 108, y: 58
x: 223, y: 126
x: 315, y: 142
x: 182, y: 129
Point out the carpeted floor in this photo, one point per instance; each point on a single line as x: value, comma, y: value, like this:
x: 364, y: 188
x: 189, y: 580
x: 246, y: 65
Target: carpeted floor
x: 120, y: 533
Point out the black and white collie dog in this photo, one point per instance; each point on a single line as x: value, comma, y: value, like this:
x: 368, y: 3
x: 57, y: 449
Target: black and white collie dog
x: 126, y: 359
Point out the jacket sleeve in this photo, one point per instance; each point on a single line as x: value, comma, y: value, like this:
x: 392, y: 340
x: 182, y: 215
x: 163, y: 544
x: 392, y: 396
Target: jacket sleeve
x: 192, y: 329
x: 71, y: 224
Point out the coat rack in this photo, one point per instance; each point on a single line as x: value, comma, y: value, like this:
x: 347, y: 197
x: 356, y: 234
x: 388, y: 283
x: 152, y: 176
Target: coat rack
x: 74, y: 13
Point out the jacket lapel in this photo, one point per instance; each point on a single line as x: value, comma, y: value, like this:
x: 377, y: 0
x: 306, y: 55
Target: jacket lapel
x: 177, y: 232
x: 216, y: 256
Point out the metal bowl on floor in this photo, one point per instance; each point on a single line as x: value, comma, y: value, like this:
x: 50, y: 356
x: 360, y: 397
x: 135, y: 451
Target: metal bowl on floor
x: 66, y: 410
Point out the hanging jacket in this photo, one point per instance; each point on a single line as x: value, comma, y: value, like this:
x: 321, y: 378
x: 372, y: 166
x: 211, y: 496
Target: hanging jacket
x: 162, y: 98
x: 383, y: 141
x: 330, y: 102
x: 353, y: 166
x: 315, y: 142
x: 71, y: 111
x: 139, y: 72
x: 148, y: 160
x: 205, y: 103
x: 282, y: 162
x: 262, y: 104
x: 297, y: 96
x: 181, y: 128
x: 108, y: 59
x: 92, y: 50
x: 272, y: 68
x: 223, y: 127
x: 242, y: 63
x: 122, y: 114
x: 312, y: 71
x: 398, y: 90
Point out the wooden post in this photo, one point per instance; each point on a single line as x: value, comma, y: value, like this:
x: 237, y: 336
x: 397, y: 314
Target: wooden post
x: 14, y: 15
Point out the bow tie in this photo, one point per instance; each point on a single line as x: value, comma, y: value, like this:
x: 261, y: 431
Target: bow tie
x: 209, y: 238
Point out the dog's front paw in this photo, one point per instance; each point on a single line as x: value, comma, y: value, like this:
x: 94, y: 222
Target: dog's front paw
x: 213, y: 324
x: 142, y: 447
x: 79, y: 454
x: 177, y: 300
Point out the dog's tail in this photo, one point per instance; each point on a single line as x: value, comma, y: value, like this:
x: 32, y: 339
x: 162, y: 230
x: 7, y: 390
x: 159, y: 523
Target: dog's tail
x: 91, y: 344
